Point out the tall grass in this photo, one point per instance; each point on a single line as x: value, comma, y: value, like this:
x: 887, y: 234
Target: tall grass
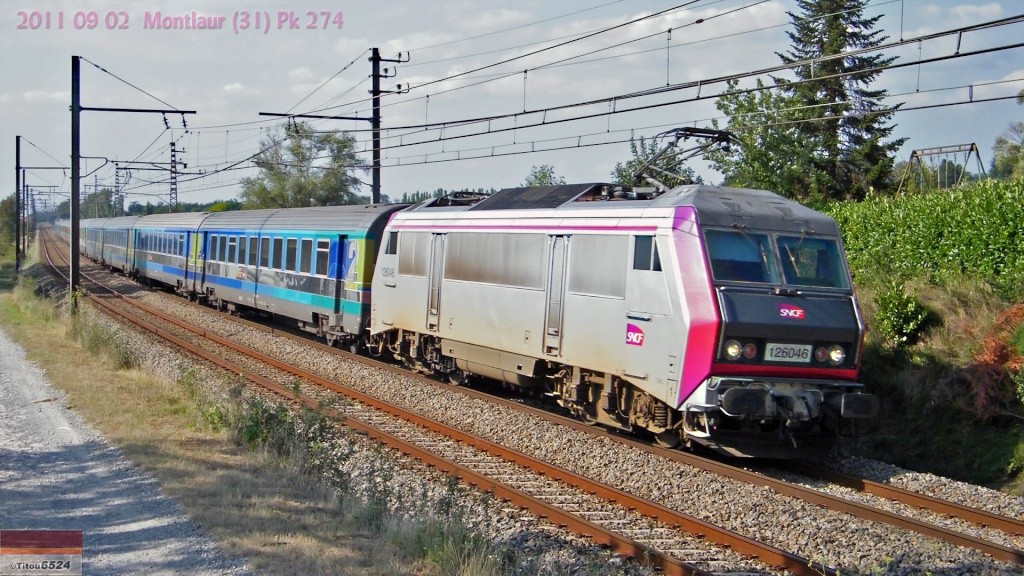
x: 949, y: 395
x: 975, y: 231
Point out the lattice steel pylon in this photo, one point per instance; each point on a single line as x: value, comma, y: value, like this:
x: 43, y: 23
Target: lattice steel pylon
x: 916, y: 156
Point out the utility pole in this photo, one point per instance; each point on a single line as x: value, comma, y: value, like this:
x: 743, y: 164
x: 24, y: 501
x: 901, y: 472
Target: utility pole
x: 376, y: 74
x: 25, y: 237
x: 76, y: 157
x: 76, y: 177
x: 174, y: 176
x: 17, y: 204
x: 375, y: 59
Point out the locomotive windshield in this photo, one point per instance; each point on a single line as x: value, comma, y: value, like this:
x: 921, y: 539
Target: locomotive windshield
x: 738, y: 256
x: 812, y: 262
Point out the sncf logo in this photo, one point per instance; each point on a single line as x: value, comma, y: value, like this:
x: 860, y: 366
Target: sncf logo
x: 634, y: 335
x: 791, y: 311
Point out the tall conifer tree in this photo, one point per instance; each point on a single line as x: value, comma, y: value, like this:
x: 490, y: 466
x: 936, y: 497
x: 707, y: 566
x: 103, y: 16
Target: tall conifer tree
x: 821, y: 135
x: 846, y: 124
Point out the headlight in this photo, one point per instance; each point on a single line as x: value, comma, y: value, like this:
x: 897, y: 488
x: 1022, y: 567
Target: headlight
x: 836, y: 355
x: 733, y: 350
x: 749, y: 351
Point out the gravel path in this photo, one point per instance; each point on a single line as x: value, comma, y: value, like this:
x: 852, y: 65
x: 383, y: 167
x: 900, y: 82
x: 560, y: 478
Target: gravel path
x: 57, y: 473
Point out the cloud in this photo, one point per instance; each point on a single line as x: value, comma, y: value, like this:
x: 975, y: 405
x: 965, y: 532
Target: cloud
x: 972, y: 11
x: 241, y: 89
x: 492, y: 19
x: 303, y: 74
x: 43, y: 96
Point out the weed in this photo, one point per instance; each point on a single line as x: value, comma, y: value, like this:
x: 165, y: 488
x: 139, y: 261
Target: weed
x: 99, y: 339
x: 454, y: 551
x: 1017, y: 340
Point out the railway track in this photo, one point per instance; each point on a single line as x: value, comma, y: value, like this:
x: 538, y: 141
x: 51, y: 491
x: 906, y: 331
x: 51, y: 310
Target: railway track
x: 631, y: 526
x: 1009, y: 525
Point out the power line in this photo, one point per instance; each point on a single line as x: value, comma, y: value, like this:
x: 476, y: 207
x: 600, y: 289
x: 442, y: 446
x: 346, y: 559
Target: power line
x: 519, y: 27
x: 102, y: 69
x: 336, y: 74
x: 699, y: 84
x: 565, y: 62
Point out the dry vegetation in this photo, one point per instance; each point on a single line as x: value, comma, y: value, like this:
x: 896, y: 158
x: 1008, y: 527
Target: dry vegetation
x: 257, y: 504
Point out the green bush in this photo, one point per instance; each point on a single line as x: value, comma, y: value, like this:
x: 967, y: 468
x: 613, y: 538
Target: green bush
x: 901, y: 318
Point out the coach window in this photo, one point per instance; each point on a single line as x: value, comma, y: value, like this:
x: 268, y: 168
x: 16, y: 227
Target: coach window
x: 214, y: 248
x: 243, y: 254
x: 291, y: 248
x: 645, y: 254
x: 264, y: 252
x: 323, y: 256
x: 278, y: 253
x: 181, y: 244
x: 223, y: 248
x: 305, y: 256
x: 232, y: 247
x: 253, y: 246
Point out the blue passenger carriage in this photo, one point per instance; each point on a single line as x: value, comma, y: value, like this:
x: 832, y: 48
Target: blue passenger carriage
x: 313, y: 265
x: 90, y: 237
x: 165, y: 249
x: 117, y: 242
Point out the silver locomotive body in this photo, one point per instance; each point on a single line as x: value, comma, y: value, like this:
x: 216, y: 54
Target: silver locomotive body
x: 719, y: 316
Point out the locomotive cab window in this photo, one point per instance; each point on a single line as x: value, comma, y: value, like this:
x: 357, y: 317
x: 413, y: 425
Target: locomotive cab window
x: 645, y: 254
x: 812, y: 262
x: 392, y: 247
x: 741, y: 257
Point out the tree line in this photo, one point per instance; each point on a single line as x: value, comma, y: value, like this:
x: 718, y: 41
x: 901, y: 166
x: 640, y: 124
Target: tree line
x: 821, y: 135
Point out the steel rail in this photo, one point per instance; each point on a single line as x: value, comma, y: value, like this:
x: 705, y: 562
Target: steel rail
x: 810, y: 495
x: 599, y: 534
x: 924, y: 501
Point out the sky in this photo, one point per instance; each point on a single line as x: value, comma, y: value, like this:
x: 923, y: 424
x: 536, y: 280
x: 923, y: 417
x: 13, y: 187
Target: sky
x: 311, y: 57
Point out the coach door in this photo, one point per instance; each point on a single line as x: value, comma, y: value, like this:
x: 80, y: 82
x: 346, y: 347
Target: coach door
x: 435, y: 273
x: 555, y: 295
x: 346, y: 265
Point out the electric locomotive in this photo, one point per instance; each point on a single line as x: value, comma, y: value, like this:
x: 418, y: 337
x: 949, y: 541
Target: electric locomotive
x: 718, y: 316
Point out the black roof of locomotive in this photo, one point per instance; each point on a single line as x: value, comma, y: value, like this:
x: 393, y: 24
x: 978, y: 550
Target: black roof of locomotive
x: 718, y: 206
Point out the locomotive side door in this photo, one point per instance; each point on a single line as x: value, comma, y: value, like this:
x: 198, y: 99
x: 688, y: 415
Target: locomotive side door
x: 558, y: 247
x: 434, y: 274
